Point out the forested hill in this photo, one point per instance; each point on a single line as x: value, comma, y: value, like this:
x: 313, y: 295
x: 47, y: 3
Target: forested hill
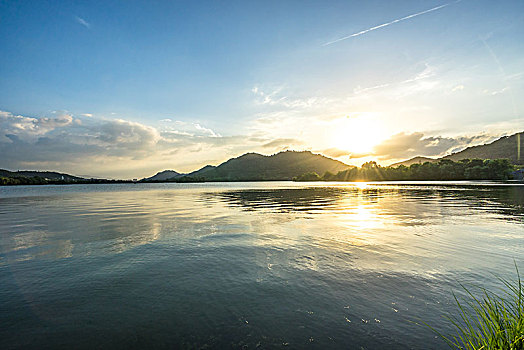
x: 164, y: 175
x: 504, y: 148
x: 31, y: 177
x: 281, y: 166
x: 414, y: 160
x: 42, y: 174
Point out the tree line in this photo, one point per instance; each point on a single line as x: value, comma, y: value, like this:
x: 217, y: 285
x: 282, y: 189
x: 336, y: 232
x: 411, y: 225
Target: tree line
x: 37, y: 180
x: 444, y: 169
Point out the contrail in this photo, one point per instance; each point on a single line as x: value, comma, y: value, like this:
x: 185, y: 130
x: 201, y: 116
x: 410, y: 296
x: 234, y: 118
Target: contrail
x: 390, y: 23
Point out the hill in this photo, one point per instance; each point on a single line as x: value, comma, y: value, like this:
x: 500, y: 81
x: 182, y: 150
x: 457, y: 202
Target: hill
x: 506, y: 147
x: 414, y: 160
x: 31, y: 177
x: 281, y: 166
x: 164, y: 175
x: 43, y: 174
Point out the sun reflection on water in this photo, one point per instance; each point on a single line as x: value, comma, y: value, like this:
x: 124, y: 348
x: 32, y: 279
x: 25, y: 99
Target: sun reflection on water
x: 361, y: 185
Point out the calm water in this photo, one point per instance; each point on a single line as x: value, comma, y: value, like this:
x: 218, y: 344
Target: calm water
x: 248, y: 265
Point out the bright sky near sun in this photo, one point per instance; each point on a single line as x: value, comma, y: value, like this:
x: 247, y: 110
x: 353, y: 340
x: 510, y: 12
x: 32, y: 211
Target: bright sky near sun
x: 128, y: 88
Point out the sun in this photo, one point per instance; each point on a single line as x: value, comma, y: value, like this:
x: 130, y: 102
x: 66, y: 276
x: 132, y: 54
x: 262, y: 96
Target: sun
x: 357, y: 134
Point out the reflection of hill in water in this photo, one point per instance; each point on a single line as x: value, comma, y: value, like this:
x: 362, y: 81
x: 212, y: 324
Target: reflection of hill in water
x: 305, y: 199
x: 98, y: 222
x: 505, y: 200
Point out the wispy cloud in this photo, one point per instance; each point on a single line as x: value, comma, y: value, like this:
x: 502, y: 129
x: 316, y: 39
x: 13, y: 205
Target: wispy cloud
x: 283, y: 143
x: 83, y: 22
x: 390, y: 23
x: 504, y: 76
x: 335, y: 152
x: 275, y: 98
x: 498, y: 92
x: 407, y: 86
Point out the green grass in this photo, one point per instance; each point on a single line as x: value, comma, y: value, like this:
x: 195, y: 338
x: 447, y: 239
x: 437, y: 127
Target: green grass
x: 490, y: 321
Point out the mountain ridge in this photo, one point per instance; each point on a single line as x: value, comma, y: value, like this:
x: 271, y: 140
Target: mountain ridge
x: 54, y: 175
x: 165, y: 175
x: 414, y: 160
x: 279, y: 166
x: 505, y: 147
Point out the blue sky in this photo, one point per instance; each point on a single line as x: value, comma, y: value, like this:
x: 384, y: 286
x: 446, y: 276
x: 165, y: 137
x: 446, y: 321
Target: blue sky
x: 134, y: 87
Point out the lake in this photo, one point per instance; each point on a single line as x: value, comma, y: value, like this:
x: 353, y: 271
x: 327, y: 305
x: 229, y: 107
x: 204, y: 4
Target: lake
x: 249, y: 265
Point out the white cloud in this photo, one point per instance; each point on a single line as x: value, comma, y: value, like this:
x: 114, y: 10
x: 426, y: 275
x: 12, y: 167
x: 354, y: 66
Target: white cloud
x: 498, y: 92
x: 83, y: 22
x: 187, y: 128
x: 206, y: 130
x: 29, y: 128
x: 118, y: 148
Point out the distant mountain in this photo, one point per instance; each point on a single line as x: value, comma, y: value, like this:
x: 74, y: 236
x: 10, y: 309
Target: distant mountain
x: 43, y: 174
x: 280, y: 166
x: 164, y: 175
x: 202, y: 170
x: 504, y: 148
x: 414, y: 160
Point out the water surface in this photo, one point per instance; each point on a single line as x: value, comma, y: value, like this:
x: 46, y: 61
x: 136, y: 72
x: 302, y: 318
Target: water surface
x: 248, y: 265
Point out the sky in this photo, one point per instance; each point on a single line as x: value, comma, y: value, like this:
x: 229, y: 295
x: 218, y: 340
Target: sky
x: 124, y: 89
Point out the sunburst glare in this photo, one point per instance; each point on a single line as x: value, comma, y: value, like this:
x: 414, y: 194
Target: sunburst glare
x: 357, y: 133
